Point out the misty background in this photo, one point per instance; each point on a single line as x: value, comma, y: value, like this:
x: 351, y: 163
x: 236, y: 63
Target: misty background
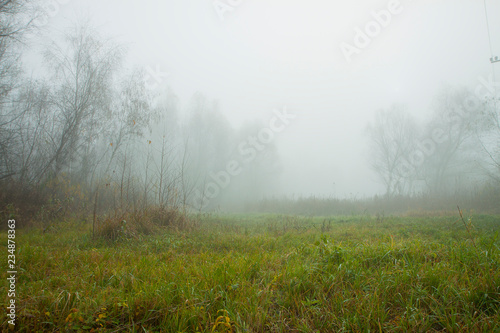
x: 215, y: 73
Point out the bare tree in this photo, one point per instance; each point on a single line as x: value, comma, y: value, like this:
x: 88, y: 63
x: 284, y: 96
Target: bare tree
x: 458, y: 155
x: 488, y: 131
x: 392, y: 139
x: 13, y: 21
x: 12, y: 26
x: 209, y: 143
x: 131, y: 115
x: 32, y: 129
x: 83, y: 68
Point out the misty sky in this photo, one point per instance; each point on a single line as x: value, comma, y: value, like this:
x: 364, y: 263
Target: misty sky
x: 272, y: 54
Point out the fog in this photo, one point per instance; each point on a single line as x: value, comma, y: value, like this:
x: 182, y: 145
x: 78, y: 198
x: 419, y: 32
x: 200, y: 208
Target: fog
x: 250, y: 165
x: 265, y: 55
x: 253, y: 58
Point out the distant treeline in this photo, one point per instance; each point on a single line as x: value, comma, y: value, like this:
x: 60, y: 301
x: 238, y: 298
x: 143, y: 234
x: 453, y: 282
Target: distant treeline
x: 480, y: 201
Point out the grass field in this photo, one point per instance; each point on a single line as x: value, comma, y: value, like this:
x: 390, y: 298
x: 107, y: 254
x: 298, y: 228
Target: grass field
x: 263, y: 273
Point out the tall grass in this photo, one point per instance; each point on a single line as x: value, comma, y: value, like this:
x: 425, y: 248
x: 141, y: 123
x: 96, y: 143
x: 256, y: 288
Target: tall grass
x: 264, y: 273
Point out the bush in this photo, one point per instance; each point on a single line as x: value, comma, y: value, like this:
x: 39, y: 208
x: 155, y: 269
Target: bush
x: 147, y: 222
x: 20, y: 202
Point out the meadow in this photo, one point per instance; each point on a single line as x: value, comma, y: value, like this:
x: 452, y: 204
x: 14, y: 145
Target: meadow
x: 262, y: 273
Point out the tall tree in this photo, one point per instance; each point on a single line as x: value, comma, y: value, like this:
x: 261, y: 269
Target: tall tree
x: 12, y: 27
x: 83, y: 66
x: 392, y: 139
x: 489, y: 134
x: 458, y: 154
x: 13, y: 24
x: 208, y: 144
x: 131, y: 114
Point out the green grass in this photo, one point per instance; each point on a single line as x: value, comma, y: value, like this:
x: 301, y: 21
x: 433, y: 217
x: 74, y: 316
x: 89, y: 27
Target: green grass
x: 264, y: 273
